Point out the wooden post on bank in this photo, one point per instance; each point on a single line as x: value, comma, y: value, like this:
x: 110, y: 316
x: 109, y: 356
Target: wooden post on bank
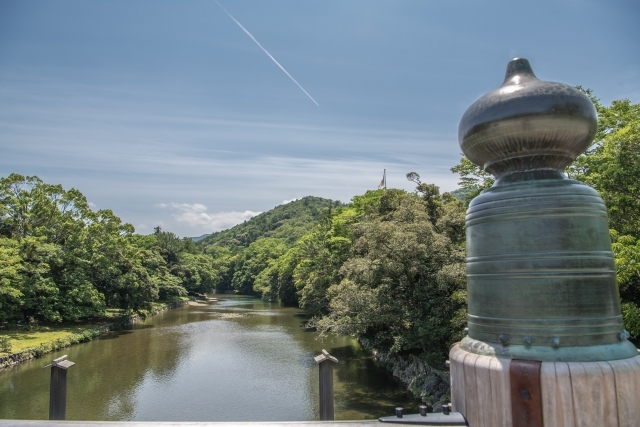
x: 325, y: 362
x: 58, y: 387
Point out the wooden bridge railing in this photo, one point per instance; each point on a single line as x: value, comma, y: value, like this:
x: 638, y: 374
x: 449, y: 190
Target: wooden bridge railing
x: 58, y: 401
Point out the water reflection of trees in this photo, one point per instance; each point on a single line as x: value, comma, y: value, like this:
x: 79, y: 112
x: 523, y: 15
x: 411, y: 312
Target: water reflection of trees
x: 107, y: 381
x: 118, y: 367
x: 362, y: 390
x: 102, y: 385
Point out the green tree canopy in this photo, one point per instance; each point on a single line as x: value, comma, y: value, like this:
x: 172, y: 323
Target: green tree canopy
x: 60, y: 260
x: 402, y: 286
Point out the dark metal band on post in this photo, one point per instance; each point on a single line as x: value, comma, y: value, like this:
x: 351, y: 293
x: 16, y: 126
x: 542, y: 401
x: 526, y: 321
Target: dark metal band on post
x: 526, y: 394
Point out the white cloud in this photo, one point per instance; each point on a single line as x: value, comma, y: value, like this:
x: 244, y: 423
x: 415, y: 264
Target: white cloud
x: 195, y: 215
x: 284, y: 202
x: 132, y: 162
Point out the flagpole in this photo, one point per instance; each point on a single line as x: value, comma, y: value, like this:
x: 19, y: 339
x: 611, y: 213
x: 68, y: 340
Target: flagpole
x: 384, y: 176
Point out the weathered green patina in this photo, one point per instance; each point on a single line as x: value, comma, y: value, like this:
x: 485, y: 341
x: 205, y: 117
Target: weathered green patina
x: 540, y: 270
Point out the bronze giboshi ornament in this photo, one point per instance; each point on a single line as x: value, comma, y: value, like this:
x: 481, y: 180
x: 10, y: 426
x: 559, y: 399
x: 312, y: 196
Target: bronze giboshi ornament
x: 540, y: 270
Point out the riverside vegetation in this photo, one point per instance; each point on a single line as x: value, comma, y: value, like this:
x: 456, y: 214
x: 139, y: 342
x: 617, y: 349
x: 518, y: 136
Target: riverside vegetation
x: 387, y: 268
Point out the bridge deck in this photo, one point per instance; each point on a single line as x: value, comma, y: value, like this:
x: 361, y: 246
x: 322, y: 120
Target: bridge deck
x: 34, y: 423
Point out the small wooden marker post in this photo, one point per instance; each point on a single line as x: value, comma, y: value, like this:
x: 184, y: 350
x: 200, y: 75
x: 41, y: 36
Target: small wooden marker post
x: 58, y: 387
x: 325, y: 362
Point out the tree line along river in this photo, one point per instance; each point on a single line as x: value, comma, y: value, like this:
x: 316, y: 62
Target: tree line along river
x: 240, y: 359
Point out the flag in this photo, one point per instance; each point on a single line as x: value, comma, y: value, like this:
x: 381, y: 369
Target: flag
x: 383, y: 183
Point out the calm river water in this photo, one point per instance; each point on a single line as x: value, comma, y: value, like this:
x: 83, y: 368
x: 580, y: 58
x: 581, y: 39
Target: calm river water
x: 241, y: 359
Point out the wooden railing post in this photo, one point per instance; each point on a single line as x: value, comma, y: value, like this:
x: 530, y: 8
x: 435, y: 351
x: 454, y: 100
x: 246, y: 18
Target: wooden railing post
x: 58, y: 387
x: 325, y: 362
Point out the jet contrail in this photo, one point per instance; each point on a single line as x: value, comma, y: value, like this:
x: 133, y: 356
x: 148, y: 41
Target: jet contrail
x: 265, y: 51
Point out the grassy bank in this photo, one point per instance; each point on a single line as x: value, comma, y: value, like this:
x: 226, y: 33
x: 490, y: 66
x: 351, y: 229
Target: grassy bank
x: 18, y: 340
x: 19, y: 343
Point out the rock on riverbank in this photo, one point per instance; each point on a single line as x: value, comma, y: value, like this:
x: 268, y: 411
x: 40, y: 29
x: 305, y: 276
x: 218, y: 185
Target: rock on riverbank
x: 429, y: 384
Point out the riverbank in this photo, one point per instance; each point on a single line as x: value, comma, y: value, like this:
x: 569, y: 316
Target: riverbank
x: 187, y: 364
x: 431, y: 385
x: 54, y: 339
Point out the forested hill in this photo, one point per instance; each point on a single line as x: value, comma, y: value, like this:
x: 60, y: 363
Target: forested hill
x: 388, y: 267
x: 287, y: 222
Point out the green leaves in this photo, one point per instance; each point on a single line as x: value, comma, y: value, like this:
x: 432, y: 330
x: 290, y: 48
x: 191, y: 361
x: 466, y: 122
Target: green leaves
x: 287, y: 222
x: 613, y: 168
x: 627, y: 254
x: 10, y: 280
x: 61, y: 261
x: 387, y: 268
x: 396, y: 285
x: 631, y: 316
x: 257, y: 257
x: 473, y: 179
x: 324, y: 249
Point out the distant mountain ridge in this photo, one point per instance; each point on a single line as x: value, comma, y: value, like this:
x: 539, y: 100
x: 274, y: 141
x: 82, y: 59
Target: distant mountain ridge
x: 288, y: 222
x: 197, y: 239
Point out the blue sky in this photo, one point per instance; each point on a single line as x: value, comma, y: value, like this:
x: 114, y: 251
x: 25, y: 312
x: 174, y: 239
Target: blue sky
x: 169, y: 114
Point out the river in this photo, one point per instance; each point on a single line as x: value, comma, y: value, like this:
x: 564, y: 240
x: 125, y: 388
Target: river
x: 240, y: 359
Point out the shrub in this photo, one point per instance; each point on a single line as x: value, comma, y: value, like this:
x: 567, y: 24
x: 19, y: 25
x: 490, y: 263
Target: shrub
x: 5, y: 345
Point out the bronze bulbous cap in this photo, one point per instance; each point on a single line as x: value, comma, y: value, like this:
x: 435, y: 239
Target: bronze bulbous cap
x: 527, y: 124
